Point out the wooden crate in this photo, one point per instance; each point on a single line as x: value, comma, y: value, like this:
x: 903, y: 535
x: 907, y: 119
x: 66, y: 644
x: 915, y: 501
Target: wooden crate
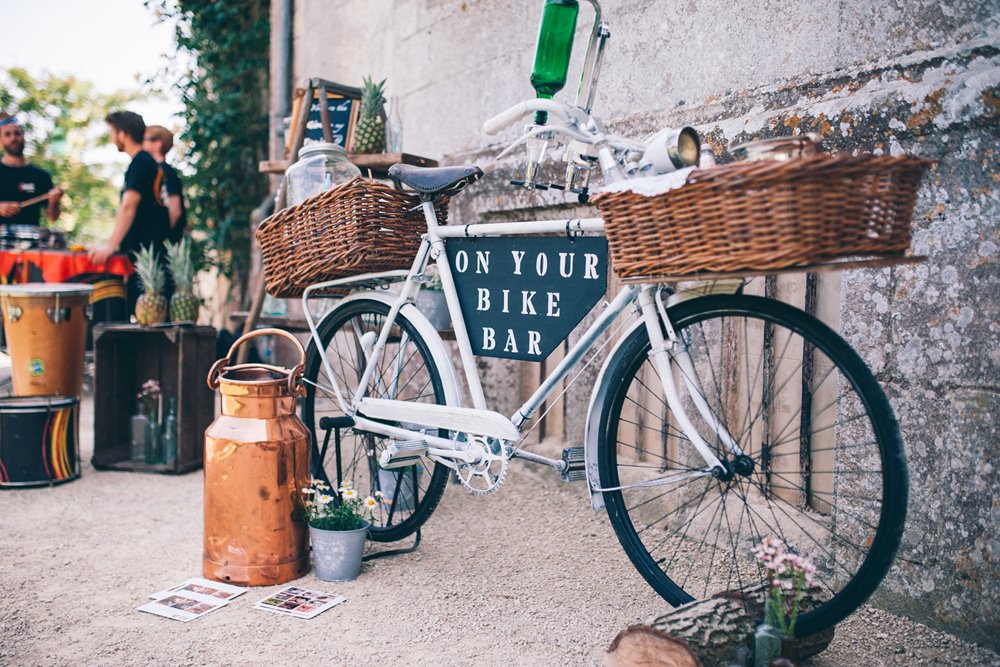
x: 125, y: 356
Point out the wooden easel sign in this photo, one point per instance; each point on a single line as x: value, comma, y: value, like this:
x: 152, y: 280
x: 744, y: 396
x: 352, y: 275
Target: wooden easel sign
x: 343, y: 115
x: 332, y: 122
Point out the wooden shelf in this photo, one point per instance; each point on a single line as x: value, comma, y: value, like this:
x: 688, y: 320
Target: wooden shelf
x: 379, y: 163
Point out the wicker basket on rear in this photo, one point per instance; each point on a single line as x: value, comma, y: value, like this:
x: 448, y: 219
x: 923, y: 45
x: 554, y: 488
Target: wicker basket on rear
x: 362, y: 226
x: 765, y: 215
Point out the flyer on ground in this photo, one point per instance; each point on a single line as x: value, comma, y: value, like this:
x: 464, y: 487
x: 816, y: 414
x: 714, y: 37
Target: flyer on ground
x: 201, y: 586
x: 183, y: 607
x: 299, y: 602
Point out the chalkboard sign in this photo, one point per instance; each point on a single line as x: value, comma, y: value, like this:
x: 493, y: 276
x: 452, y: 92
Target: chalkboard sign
x: 522, y: 296
x: 342, y: 113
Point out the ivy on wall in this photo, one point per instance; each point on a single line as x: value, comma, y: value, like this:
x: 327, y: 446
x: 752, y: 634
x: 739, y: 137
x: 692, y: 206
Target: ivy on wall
x: 221, y: 73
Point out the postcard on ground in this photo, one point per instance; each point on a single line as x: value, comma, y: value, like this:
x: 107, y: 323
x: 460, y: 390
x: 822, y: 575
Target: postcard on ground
x: 299, y: 602
x: 183, y: 607
x: 207, y: 587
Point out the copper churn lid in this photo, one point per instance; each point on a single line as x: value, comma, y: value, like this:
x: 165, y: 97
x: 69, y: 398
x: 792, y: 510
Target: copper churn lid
x: 252, y: 389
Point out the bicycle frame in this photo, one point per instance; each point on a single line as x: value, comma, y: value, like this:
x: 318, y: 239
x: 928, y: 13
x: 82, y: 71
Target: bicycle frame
x: 479, y: 419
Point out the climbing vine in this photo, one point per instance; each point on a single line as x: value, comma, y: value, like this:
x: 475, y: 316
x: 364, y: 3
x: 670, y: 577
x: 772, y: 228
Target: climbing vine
x: 221, y: 74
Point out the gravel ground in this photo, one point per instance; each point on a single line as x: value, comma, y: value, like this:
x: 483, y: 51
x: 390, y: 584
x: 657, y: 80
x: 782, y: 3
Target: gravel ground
x: 527, y: 576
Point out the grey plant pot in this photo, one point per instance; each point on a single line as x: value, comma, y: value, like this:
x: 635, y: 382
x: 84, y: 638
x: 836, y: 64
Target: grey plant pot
x: 337, y: 553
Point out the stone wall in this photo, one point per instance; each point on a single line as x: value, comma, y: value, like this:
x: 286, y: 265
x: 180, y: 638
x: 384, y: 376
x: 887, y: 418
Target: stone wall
x: 868, y: 75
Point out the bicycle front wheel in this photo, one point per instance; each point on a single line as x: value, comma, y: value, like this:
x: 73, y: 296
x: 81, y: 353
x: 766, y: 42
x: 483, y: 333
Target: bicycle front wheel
x: 828, y: 474
x: 406, y: 372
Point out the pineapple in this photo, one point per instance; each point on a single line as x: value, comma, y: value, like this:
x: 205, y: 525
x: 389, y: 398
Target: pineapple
x: 369, y: 136
x: 183, y: 304
x: 151, y: 308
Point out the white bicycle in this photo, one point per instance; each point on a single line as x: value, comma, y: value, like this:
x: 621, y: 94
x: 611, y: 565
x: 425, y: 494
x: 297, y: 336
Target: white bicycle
x: 717, y: 419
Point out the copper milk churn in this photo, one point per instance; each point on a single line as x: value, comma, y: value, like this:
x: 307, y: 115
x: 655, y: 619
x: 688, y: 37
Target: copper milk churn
x: 256, y: 463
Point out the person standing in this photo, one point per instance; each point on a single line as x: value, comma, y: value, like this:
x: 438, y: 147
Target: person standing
x: 158, y: 141
x: 21, y: 181
x: 141, y: 219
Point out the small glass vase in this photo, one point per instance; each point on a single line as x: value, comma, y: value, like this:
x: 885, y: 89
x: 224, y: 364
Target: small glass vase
x: 139, y: 429
x: 767, y: 638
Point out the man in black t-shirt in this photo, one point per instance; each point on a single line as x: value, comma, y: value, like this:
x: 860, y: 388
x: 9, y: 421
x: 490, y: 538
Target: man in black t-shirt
x: 20, y: 181
x: 157, y: 142
x: 141, y: 219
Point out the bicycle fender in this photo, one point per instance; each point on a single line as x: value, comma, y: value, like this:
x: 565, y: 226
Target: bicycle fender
x: 435, y: 345
x: 593, y: 428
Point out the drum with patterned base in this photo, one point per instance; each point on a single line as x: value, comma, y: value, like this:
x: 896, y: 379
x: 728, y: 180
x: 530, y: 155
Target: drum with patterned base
x: 39, y: 438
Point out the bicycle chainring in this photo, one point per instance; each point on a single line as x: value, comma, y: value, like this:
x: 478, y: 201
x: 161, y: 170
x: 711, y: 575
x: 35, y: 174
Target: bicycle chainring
x: 485, y: 476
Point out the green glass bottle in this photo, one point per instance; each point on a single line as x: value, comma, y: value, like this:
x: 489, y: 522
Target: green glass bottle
x: 555, y: 44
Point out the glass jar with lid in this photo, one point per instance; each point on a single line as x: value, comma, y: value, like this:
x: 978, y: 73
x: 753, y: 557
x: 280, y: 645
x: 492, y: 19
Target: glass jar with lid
x: 320, y: 167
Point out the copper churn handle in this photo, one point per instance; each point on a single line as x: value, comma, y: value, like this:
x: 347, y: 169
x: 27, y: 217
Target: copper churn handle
x: 295, y: 387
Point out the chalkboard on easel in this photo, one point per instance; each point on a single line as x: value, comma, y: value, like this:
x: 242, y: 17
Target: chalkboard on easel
x: 343, y: 110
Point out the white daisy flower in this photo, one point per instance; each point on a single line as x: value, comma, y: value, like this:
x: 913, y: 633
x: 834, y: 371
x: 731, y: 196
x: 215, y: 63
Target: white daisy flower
x: 370, y: 503
x: 349, y: 494
x: 324, y: 500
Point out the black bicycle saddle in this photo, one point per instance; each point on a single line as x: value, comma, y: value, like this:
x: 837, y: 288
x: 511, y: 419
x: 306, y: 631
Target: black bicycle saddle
x: 433, y: 181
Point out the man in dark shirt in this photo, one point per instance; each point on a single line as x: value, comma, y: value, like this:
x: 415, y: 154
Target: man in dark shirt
x: 141, y: 219
x: 20, y: 181
x: 158, y: 142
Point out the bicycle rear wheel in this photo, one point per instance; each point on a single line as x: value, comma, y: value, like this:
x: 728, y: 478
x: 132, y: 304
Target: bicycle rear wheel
x: 407, y: 372
x: 828, y: 475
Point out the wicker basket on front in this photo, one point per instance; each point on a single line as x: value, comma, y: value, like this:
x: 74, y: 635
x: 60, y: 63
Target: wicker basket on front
x: 765, y: 215
x: 362, y: 226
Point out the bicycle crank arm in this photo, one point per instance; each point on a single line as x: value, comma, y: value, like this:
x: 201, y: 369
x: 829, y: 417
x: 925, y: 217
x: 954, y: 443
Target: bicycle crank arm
x: 406, y: 453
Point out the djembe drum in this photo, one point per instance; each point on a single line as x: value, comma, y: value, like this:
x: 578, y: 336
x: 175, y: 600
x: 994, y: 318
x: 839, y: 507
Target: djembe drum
x: 46, y: 328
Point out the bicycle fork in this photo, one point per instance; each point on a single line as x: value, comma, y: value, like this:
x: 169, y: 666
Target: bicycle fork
x: 668, y: 349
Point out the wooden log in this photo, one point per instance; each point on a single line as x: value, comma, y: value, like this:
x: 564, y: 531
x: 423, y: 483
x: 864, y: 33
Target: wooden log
x: 642, y: 645
x: 714, y: 629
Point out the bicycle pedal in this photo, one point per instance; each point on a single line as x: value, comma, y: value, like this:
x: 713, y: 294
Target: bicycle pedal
x: 402, y: 454
x: 575, y: 470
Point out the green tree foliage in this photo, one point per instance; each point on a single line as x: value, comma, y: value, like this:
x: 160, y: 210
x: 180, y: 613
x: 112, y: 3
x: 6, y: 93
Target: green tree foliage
x: 221, y: 73
x: 63, y: 120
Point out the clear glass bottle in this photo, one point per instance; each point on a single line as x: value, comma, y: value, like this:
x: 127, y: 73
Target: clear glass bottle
x: 170, y: 433
x: 555, y: 45
x: 154, y: 444
x: 320, y: 167
x: 139, y: 427
x: 393, y: 128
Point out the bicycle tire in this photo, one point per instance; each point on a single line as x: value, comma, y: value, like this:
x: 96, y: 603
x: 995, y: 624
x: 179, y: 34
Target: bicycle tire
x: 827, y: 499
x: 406, y: 371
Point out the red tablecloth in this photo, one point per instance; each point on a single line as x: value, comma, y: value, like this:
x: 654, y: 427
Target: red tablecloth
x: 56, y: 266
